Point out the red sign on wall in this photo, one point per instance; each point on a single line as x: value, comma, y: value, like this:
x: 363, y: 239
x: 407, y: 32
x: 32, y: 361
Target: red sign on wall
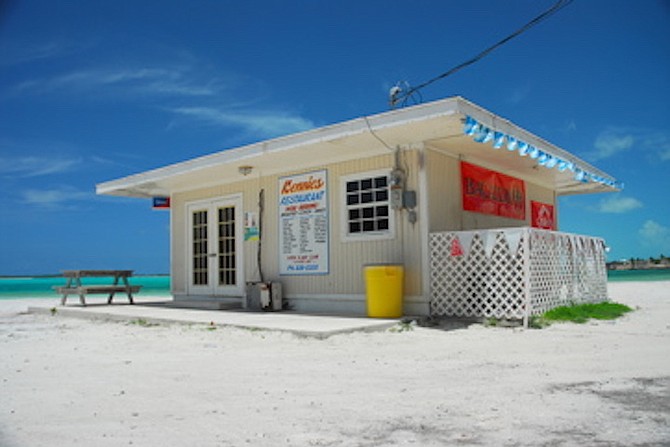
x: 490, y: 192
x: 542, y: 215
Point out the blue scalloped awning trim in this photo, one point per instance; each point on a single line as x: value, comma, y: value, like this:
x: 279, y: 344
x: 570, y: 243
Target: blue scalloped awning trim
x: 483, y: 134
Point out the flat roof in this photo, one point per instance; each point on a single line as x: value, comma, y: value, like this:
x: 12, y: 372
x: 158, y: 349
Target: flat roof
x: 453, y: 126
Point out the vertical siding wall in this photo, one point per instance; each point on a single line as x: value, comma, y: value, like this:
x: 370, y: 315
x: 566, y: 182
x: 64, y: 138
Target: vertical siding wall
x: 444, y: 195
x: 444, y: 186
x: 346, y: 258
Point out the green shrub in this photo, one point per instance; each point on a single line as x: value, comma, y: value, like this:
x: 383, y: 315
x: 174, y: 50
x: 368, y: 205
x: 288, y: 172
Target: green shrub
x: 581, y: 313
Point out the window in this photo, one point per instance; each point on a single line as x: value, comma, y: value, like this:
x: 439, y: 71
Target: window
x: 367, y: 212
x: 199, y: 241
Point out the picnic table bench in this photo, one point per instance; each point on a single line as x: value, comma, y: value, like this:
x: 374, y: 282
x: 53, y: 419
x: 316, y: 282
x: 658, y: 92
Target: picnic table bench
x: 74, y: 285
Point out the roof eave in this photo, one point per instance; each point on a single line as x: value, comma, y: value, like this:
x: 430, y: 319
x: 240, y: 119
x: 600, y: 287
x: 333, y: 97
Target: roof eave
x: 326, y: 143
x: 136, y: 185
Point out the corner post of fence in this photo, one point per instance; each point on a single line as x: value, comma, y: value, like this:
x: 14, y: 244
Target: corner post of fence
x: 526, y: 276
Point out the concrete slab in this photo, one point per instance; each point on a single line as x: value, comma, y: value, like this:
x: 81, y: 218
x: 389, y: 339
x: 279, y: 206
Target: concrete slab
x: 316, y: 326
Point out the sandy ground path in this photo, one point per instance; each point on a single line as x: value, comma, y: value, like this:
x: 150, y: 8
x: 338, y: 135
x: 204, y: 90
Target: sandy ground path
x: 66, y: 382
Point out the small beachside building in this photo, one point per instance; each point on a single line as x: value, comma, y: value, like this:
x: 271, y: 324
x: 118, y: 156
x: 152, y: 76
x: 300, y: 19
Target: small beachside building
x: 464, y: 200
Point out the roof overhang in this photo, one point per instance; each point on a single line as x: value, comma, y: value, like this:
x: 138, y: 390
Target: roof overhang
x: 445, y: 126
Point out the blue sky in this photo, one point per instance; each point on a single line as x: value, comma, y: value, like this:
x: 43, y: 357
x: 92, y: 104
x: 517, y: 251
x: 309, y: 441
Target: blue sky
x: 93, y: 91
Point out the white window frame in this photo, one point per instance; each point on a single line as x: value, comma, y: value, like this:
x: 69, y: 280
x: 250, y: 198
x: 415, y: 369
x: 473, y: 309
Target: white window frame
x: 345, y: 236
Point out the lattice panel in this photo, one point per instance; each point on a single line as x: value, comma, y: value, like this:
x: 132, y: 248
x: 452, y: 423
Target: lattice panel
x: 474, y: 284
x: 485, y: 273
x: 565, y: 269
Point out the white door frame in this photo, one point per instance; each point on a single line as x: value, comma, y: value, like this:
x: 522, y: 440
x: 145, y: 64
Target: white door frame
x: 213, y: 287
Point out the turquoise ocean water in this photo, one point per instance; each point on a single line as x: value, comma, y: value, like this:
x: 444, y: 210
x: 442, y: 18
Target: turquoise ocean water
x: 42, y: 287
x: 639, y: 275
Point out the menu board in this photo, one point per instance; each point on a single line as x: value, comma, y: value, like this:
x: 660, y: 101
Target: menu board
x: 303, y: 224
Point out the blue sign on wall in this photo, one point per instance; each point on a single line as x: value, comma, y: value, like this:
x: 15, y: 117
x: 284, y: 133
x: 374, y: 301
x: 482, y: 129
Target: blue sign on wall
x: 161, y: 203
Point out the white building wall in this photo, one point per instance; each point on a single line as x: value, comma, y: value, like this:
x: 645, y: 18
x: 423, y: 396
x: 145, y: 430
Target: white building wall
x: 343, y: 289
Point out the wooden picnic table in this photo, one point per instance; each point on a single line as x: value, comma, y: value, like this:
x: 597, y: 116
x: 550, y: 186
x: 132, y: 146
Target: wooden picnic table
x: 74, y: 285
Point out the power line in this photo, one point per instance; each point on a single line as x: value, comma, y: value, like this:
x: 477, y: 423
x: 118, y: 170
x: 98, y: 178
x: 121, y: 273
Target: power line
x: 374, y: 134
x: 399, y: 95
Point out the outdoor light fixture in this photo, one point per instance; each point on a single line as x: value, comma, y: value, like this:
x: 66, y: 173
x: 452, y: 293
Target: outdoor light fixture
x: 245, y: 170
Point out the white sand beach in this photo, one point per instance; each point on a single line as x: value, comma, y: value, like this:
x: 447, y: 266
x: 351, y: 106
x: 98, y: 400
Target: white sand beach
x: 71, y: 382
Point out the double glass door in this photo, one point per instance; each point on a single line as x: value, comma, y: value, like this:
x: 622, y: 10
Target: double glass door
x: 215, y: 247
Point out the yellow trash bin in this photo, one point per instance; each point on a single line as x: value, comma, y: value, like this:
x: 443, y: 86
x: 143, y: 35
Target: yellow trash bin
x: 383, y: 290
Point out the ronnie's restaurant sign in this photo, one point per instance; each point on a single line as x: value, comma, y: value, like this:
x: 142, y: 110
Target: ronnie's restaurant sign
x: 303, y: 224
x: 490, y: 192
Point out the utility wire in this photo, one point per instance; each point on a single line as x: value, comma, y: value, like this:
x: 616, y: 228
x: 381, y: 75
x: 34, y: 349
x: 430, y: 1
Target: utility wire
x: 399, y: 96
x: 374, y: 134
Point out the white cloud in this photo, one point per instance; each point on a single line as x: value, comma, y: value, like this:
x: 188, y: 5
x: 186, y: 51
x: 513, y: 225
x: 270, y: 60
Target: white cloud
x: 56, y: 197
x: 654, y: 234
x: 519, y: 94
x: 261, y: 123
x: 658, y: 143
x: 618, y: 204
x: 32, y: 166
x: 610, y: 142
x: 188, y: 89
x: 615, y: 140
x: 21, y: 53
x: 177, y: 81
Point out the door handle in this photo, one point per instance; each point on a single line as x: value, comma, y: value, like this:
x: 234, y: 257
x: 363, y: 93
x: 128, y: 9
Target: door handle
x: 212, y: 255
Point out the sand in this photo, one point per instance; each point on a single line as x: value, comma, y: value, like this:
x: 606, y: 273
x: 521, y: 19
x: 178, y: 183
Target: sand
x: 69, y: 382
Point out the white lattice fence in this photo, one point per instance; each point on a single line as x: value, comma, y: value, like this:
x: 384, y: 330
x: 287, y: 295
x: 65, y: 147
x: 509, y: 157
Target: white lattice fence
x: 513, y: 273
x: 565, y: 269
